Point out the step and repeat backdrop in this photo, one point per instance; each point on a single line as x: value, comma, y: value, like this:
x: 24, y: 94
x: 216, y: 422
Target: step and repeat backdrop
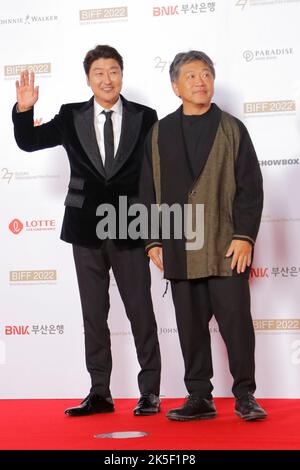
x: 255, y: 45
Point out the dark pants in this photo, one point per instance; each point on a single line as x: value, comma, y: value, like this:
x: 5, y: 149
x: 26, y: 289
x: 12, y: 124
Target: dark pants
x: 132, y: 274
x: 228, y: 299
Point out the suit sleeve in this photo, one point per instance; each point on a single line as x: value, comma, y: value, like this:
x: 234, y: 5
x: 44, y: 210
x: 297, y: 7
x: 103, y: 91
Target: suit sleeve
x: 148, y: 198
x: 30, y: 137
x: 154, y: 118
x: 248, y: 202
x: 151, y: 118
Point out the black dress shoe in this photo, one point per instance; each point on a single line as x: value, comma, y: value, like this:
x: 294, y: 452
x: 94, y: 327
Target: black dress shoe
x: 90, y: 405
x: 193, y: 408
x: 148, y: 404
x: 248, y: 409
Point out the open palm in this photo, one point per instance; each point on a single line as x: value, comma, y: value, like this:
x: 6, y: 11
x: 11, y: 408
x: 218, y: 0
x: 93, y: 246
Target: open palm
x: 27, y: 93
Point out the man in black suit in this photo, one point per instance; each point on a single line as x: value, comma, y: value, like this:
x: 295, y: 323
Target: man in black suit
x: 104, y: 141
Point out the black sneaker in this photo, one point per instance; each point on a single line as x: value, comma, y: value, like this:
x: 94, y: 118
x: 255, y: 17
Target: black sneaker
x: 193, y: 408
x: 248, y: 409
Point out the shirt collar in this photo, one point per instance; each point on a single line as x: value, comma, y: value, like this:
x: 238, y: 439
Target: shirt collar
x: 117, y: 108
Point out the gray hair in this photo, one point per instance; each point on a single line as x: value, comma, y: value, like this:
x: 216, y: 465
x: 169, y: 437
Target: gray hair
x: 186, y: 57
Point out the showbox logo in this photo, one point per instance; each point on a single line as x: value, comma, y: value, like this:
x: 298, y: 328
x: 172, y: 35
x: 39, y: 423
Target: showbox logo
x: 280, y: 162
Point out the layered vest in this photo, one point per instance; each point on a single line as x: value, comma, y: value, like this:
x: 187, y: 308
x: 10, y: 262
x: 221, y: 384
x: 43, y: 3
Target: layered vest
x: 215, y: 189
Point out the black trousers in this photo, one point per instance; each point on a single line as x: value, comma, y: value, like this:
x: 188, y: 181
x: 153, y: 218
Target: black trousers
x: 228, y: 299
x: 132, y: 274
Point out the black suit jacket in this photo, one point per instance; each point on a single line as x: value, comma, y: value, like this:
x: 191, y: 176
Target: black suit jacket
x: 73, y: 127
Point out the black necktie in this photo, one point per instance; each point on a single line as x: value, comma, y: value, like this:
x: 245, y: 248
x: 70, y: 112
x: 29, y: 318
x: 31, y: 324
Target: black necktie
x: 108, y: 142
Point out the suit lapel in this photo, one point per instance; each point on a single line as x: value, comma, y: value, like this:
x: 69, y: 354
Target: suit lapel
x: 84, y: 125
x: 130, y: 131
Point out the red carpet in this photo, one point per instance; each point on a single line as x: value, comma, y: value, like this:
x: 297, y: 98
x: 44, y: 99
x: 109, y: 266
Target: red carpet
x: 41, y: 424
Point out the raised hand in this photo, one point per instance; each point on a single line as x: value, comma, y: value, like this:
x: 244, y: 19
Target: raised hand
x: 27, y: 93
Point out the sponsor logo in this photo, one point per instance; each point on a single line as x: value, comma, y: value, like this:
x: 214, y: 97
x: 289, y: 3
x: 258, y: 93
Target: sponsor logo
x: 259, y: 272
x: 268, y: 218
x: 28, y: 19
x: 36, y: 276
x: 34, y: 225
x: 14, y: 70
x: 24, y: 330
x: 281, y: 324
x: 266, y: 107
x: 280, y: 162
x: 16, y: 226
x: 241, y: 3
x: 275, y: 272
x: 160, y: 64
x: 103, y: 14
x: 20, y: 330
x: 278, y: 324
x: 169, y: 10
x: 213, y: 328
x: 167, y: 331
x: 257, y: 3
x: 266, y: 54
x: 7, y: 175
x: 184, y: 9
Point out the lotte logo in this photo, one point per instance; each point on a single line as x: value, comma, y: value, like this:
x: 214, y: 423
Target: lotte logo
x: 33, y: 225
x: 16, y: 226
